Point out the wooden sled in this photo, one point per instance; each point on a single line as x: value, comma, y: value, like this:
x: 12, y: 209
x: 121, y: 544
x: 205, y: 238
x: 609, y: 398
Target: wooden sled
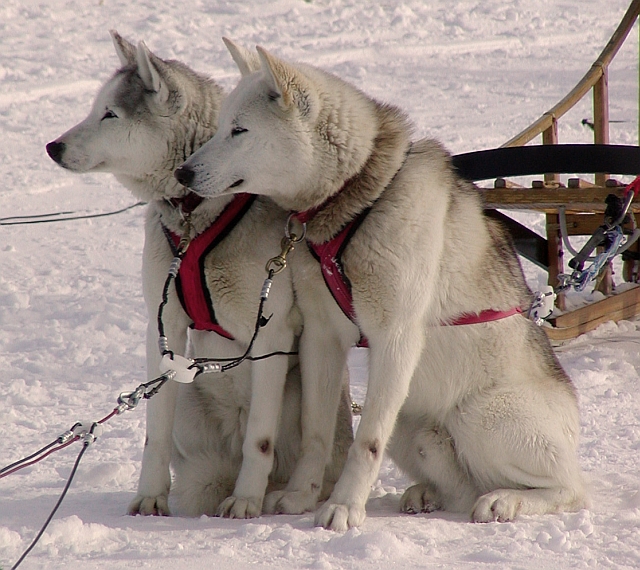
x: 581, y: 201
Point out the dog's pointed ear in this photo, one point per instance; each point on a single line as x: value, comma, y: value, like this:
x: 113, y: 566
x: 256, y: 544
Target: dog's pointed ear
x: 278, y: 77
x: 246, y: 60
x: 126, y: 50
x: 286, y: 84
x: 158, y: 79
x: 148, y: 68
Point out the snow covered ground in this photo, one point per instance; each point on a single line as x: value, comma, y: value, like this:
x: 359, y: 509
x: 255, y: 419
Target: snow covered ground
x: 469, y: 72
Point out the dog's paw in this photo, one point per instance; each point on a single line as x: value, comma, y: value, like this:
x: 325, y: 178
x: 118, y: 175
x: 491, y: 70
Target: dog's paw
x: 502, y: 505
x: 240, y: 508
x: 289, y: 502
x: 419, y: 499
x: 147, y: 506
x: 340, y: 517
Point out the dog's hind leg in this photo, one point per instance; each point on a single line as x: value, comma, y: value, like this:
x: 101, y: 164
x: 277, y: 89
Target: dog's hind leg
x: 202, y: 482
x: 504, y: 505
x: 519, y: 446
x: 426, y: 452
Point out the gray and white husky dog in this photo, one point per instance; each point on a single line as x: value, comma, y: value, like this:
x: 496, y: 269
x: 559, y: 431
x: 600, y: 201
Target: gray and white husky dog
x: 232, y: 433
x: 464, y: 392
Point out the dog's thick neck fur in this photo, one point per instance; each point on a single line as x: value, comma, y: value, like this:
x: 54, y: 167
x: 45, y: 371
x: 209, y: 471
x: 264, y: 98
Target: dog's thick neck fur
x: 389, y: 150
x: 365, y: 141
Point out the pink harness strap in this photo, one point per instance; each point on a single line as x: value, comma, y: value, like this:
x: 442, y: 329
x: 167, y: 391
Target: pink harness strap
x: 329, y: 254
x: 191, y: 283
x: 483, y: 317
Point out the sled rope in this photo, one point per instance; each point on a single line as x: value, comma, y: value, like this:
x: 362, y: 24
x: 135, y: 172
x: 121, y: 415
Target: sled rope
x: 88, y: 433
x: 86, y: 444
x: 126, y: 401
x: 60, y: 216
x: 39, y: 455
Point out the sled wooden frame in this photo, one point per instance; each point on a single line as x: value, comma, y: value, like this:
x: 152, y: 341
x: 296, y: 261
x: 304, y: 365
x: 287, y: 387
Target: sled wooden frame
x: 583, y: 201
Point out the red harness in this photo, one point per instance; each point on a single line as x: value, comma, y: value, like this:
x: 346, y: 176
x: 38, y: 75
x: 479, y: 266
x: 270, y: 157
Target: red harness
x: 191, y: 283
x: 329, y: 255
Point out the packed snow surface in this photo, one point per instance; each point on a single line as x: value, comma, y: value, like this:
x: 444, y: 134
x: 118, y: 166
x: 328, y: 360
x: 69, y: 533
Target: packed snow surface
x: 72, y: 321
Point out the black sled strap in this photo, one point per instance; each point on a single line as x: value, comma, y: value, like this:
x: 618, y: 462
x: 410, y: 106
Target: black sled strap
x: 555, y: 158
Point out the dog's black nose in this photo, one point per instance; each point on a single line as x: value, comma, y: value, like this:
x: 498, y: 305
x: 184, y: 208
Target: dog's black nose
x: 184, y: 175
x: 55, y: 150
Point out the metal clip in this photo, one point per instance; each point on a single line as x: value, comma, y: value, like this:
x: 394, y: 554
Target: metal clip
x: 129, y: 400
x: 185, y: 240
x: 580, y: 278
x: 279, y: 262
x: 542, y: 305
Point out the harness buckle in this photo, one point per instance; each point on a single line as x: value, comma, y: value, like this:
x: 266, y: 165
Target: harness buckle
x: 279, y: 262
x: 185, y: 240
x: 542, y: 305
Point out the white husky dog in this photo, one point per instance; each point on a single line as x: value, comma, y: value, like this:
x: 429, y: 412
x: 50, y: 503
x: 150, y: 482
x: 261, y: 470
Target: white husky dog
x: 464, y: 392
x: 147, y: 119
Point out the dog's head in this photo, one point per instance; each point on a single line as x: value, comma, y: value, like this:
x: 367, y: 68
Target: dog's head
x: 266, y: 140
x: 137, y: 125
x: 288, y: 131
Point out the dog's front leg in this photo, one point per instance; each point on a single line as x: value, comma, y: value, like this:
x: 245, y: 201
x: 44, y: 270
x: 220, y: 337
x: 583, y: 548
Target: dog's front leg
x: 268, y: 378
x: 393, y: 359
x: 323, y: 359
x: 155, y: 477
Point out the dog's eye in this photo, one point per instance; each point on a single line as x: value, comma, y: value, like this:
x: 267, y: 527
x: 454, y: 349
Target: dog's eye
x: 109, y: 114
x: 237, y: 131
